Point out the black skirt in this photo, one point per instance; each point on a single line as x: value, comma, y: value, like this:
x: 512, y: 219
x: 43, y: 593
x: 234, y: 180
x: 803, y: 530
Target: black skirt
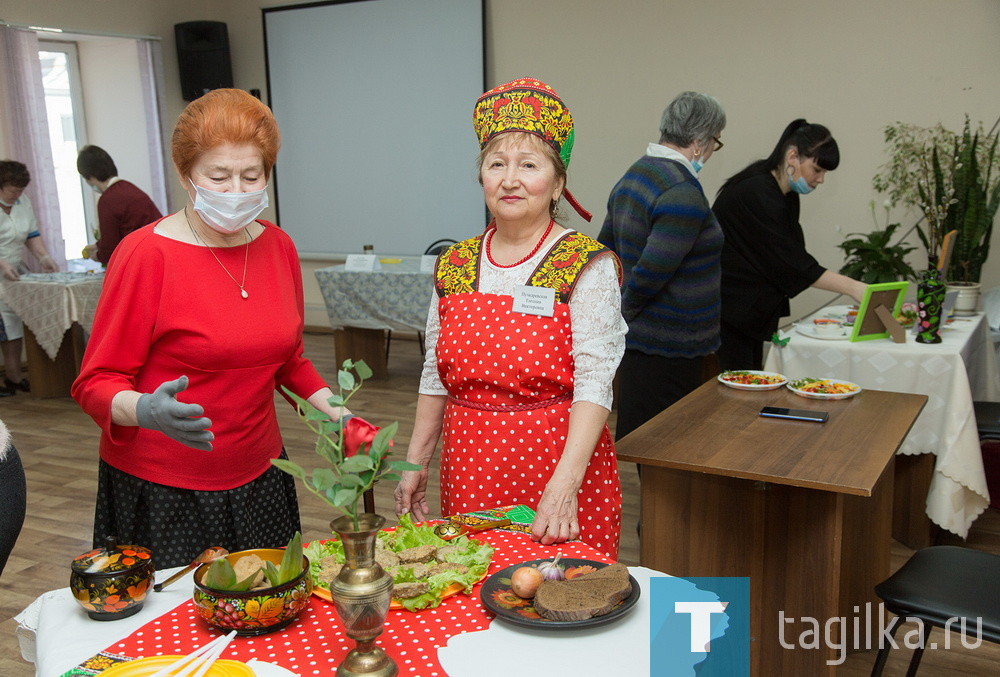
x: 178, y: 524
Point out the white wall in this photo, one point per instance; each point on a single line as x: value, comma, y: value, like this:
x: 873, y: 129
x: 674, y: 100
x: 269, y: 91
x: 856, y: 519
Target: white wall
x: 113, y: 107
x: 853, y: 65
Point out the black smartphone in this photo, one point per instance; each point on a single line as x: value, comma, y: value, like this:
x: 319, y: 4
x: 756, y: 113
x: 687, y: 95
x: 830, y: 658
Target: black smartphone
x: 795, y: 414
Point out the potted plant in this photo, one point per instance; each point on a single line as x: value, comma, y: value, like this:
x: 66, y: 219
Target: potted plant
x: 971, y: 213
x: 870, y: 257
x: 950, y: 178
x: 361, y: 591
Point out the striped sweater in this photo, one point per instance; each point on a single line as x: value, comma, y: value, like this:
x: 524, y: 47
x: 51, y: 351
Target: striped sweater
x: 661, y: 227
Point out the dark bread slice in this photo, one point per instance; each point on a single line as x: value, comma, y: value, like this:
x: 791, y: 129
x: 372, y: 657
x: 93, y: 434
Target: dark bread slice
x: 590, y: 595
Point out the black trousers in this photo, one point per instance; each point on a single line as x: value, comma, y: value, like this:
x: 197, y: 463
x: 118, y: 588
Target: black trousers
x: 13, y: 497
x: 739, y: 350
x: 648, y: 384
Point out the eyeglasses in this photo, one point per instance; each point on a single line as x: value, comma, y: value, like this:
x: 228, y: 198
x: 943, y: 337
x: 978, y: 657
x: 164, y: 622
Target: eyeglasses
x: 718, y: 144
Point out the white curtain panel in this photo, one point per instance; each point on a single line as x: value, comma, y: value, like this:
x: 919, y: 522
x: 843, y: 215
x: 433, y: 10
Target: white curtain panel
x: 151, y: 72
x: 23, y: 100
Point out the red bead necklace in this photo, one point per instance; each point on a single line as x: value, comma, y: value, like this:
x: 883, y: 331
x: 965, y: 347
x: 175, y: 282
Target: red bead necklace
x: 489, y: 238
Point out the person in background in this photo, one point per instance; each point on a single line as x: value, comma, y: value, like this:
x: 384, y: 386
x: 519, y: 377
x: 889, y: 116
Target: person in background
x: 669, y: 242
x: 523, y: 340
x: 122, y: 207
x: 764, y: 259
x: 200, y: 316
x: 13, y: 495
x: 18, y: 230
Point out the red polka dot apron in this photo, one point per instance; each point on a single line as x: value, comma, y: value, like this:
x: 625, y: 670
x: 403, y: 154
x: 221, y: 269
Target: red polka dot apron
x: 509, y: 377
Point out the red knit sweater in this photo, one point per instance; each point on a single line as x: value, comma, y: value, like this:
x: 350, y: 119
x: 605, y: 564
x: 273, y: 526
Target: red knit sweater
x: 168, y: 309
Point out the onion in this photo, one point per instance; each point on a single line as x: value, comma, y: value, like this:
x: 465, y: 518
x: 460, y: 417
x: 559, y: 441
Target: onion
x: 525, y: 581
x: 551, y: 571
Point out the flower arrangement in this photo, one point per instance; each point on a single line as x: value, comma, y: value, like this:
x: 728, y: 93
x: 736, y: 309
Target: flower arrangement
x: 356, y: 452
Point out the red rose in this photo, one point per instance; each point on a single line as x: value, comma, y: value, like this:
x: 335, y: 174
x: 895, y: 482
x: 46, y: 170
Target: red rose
x: 358, y: 433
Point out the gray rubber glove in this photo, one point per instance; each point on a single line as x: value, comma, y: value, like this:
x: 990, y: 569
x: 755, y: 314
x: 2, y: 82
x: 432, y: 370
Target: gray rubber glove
x: 179, y: 421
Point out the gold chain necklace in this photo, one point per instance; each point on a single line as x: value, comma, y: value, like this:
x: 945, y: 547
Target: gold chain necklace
x: 246, y: 256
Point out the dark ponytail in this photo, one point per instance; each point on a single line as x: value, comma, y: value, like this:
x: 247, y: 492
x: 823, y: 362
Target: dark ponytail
x: 811, y: 140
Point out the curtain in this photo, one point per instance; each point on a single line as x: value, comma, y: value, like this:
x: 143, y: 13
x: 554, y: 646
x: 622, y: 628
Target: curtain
x: 151, y: 73
x: 27, y: 133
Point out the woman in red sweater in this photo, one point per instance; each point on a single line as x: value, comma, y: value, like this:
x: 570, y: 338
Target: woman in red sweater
x: 199, y: 321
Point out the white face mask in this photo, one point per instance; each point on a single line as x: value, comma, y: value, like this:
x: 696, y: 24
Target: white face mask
x: 8, y: 204
x: 228, y: 212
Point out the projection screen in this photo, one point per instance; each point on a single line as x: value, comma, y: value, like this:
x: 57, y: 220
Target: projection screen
x: 374, y: 100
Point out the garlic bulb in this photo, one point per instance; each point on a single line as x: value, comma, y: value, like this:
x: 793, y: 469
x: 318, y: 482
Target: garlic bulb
x: 551, y: 571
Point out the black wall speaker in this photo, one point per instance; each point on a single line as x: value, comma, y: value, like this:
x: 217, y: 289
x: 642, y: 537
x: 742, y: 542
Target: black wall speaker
x: 203, y: 57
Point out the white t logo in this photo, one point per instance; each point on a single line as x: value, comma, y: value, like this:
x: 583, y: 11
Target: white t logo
x: 701, y: 621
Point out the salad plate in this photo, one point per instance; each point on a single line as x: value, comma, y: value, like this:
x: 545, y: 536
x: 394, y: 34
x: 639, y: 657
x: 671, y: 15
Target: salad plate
x: 824, y: 388
x: 752, y: 380
x: 497, y: 596
x: 474, y: 555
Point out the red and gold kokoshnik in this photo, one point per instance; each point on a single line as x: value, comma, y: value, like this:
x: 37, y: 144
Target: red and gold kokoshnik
x: 525, y: 105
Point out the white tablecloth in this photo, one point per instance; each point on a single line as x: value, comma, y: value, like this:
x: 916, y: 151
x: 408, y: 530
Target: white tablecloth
x: 56, y: 634
x: 952, y: 373
x: 49, y: 303
x: 396, y: 297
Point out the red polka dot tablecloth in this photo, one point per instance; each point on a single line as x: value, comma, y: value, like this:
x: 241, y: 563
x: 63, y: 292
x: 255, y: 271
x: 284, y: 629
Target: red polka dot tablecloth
x: 314, y: 644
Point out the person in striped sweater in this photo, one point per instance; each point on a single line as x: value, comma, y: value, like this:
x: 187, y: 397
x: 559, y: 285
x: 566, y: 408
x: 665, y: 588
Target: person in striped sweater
x: 660, y: 225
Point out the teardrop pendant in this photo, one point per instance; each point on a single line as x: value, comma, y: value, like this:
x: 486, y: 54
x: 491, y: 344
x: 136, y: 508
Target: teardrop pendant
x: 243, y: 293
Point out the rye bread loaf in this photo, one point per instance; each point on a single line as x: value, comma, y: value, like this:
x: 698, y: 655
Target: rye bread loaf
x: 590, y: 595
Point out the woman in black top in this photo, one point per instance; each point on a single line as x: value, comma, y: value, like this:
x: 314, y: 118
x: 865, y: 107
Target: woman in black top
x: 764, y: 258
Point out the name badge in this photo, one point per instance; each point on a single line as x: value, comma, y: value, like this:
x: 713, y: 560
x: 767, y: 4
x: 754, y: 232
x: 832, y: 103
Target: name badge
x: 535, y: 300
x: 360, y: 263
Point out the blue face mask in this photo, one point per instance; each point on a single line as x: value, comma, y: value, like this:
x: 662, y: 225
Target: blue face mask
x: 799, y: 185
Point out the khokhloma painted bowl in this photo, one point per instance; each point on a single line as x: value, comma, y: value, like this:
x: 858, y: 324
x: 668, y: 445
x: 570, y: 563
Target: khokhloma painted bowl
x: 112, y: 583
x: 254, y: 612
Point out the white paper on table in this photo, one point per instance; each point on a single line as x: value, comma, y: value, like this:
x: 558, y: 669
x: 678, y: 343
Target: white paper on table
x: 427, y: 262
x: 618, y: 647
x: 360, y: 263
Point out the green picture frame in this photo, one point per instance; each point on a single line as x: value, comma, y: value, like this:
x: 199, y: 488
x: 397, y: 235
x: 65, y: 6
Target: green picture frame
x: 869, y: 326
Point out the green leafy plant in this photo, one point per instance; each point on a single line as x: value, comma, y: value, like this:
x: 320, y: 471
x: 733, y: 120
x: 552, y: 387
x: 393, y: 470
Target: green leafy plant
x: 976, y: 196
x: 349, y: 473
x: 222, y: 576
x: 950, y: 178
x: 870, y: 256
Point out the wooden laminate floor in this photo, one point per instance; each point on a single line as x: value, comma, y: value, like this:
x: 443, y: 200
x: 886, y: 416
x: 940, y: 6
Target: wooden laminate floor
x: 58, y: 446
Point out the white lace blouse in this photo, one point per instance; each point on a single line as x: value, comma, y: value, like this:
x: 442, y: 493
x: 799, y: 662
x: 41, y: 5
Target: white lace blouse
x: 595, y: 316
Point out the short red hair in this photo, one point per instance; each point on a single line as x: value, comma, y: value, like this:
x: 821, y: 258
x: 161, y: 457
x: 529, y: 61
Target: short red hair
x: 224, y: 116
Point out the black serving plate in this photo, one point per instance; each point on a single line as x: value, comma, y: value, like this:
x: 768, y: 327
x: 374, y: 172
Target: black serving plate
x: 497, y: 596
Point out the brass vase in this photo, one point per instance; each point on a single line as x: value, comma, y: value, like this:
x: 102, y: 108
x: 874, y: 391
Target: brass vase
x: 361, y: 593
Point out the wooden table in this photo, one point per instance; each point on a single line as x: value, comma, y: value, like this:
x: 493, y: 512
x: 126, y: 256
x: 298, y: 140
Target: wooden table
x: 803, y: 509
x: 939, y: 478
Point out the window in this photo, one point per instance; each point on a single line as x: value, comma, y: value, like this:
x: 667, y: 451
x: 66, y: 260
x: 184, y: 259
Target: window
x: 64, y: 107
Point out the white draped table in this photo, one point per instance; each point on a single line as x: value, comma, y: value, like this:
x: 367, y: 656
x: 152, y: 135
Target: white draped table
x: 52, y: 307
x: 953, y: 373
x: 363, y: 306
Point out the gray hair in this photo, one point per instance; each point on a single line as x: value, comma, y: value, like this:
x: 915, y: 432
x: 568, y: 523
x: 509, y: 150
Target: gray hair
x: 691, y: 117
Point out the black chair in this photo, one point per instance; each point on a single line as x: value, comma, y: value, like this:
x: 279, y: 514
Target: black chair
x: 938, y: 585
x: 438, y: 246
x: 988, y: 420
